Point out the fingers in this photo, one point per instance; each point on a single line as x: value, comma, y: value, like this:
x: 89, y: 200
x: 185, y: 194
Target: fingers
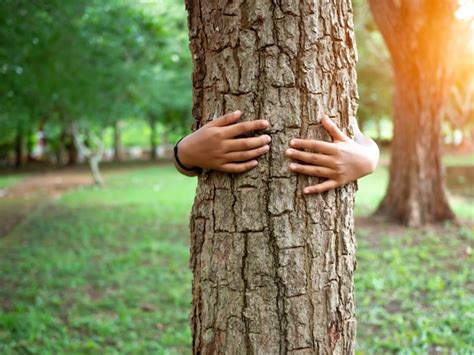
x: 245, y: 127
x: 314, y: 145
x: 226, y: 120
x: 240, y: 144
x: 311, y: 158
x: 324, y: 186
x: 236, y: 168
x: 333, y: 130
x: 312, y: 170
x: 248, y: 154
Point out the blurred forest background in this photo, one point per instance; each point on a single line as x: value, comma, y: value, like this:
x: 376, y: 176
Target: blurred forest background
x: 121, y: 70
x: 84, y: 268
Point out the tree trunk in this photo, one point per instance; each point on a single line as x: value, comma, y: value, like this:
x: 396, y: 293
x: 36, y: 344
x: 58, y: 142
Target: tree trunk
x: 19, y: 146
x: 273, y: 269
x: 416, y: 193
x: 117, y: 141
x: 152, y: 122
x: 72, y: 153
x: 423, y: 71
x: 93, y: 157
x: 29, y: 146
x: 61, y: 148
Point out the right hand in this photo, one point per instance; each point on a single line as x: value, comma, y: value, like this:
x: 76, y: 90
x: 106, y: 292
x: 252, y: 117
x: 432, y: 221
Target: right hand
x: 215, y: 146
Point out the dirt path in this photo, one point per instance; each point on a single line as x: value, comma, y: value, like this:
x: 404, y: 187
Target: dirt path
x: 52, y: 184
x: 24, y: 197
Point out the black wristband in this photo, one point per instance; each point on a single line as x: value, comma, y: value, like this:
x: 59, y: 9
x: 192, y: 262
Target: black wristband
x: 175, y: 150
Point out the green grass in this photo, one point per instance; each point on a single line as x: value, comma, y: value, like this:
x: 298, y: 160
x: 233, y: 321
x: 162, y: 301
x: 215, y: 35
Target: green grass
x: 415, y: 291
x: 106, y: 271
x: 372, y: 189
x: 101, y: 270
x: 466, y: 159
x: 9, y: 180
x: 448, y: 158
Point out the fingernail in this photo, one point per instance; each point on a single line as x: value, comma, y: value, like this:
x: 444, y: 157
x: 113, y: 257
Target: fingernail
x: 254, y: 163
x: 289, y: 151
x: 266, y: 124
x: 238, y: 112
x: 306, y: 191
x: 266, y: 148
x: 292, y: 166
x: 268, y: 139
x: 292, y: 142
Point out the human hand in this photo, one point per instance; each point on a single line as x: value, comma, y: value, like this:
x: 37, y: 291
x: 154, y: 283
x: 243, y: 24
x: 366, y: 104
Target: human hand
x: 340, y: 162
x: 215, y: 146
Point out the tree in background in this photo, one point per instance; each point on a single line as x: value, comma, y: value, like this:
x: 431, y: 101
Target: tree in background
x: 421, y: 37
x: 92, y: 64
x: 273, y: 269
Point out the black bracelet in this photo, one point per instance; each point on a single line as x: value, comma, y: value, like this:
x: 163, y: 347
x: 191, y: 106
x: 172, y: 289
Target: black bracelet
x: 175, y: 150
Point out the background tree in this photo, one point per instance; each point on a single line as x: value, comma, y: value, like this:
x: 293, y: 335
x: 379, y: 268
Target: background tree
x: 273, y: 269
x: 421, y: 37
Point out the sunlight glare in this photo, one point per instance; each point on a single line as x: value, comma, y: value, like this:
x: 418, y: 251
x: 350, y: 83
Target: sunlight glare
x: 466, y: 10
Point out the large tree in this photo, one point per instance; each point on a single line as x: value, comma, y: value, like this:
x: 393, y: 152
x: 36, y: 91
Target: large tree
x: 421, y: 38
x: 273, y: 269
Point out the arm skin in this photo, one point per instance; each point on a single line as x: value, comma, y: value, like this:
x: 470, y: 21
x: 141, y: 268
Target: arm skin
x: 340, y: 162
x: 215, y: 146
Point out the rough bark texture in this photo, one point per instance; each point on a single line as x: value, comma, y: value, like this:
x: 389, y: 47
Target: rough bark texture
x: 421, y: 40
x: 273, y: 269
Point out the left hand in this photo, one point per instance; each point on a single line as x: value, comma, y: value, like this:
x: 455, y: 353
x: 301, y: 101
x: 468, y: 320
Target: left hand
x: 340, y: 162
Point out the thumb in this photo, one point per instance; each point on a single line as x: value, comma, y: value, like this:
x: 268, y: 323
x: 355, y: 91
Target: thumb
x: 333, y: 130
x: 227, y: 119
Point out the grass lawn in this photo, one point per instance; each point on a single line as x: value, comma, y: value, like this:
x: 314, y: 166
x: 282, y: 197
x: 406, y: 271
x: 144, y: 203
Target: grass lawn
x: 9, y: 180
x: 106, y: 271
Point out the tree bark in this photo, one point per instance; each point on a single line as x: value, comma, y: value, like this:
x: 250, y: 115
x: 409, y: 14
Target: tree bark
x: 273, y: 269
x: 420, y: 37
x: 93, y: 157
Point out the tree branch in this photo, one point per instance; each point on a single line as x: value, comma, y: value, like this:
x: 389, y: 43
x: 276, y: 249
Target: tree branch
x: 80, y: 143
x: 93, y: 158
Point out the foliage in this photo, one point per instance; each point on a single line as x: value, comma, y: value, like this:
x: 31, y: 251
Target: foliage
x: 92, y: 61
x: 374, y: 72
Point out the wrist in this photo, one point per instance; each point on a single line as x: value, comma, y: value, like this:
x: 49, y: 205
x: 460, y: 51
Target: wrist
x: 182, y: 155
